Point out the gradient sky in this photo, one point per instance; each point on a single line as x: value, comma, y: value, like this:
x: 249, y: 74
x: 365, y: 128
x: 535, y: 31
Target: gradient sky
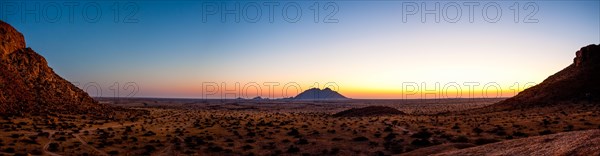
x: 169, y: 51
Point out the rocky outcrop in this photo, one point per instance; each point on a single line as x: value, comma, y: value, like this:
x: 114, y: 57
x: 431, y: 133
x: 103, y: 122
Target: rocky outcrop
x: 368, y: 111
x: 566, y: 143
x: 29, y: 85
x: 10, y: 39
x: 318, y: 94
x: 587, y: 56
x: 577, y: 83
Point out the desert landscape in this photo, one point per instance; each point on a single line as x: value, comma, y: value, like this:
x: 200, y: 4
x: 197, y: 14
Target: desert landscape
x: 538, y: 120
x: 44, y: 114
x: 272, y: 127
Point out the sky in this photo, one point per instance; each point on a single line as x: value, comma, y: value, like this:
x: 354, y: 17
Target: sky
x: 362, y: 49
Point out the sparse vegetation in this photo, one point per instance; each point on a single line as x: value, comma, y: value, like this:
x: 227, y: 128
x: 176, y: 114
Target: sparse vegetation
x: 227, y: 129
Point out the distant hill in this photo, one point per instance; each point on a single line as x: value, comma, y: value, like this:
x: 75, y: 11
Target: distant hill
x: 318, y: 94
x: 29, y: 85
x: 368, y: 111
x: 577, y: 83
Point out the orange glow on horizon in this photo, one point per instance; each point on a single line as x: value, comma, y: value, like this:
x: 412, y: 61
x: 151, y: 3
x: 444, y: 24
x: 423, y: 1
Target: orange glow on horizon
x: 358, y: 92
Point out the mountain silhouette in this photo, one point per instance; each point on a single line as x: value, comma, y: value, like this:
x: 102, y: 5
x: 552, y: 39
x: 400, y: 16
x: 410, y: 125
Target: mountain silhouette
x: 29, y: 85
x: 577, y: 83
x: 318, y: 94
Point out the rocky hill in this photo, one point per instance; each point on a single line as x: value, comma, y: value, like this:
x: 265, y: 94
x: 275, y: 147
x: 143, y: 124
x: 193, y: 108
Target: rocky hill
x: 566, y: 143
x: 577, y: 83
x: 368, y: 111
x: 29, y: 85
x: 318, y: 94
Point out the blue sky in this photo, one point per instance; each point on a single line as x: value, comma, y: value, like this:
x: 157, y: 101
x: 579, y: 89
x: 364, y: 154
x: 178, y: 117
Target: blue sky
x: 167, y: 49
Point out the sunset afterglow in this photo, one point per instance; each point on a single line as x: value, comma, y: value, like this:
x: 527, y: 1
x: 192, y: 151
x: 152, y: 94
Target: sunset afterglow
x: 366, y: 48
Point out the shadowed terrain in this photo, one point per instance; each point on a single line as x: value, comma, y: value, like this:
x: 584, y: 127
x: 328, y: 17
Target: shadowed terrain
x: 567, y: 143
x: 577, y: 83
x: 30, y: 86
x: 368, y: 111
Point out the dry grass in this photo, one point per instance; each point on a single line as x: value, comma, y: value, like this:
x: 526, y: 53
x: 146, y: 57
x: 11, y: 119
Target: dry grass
x: 233, y: 127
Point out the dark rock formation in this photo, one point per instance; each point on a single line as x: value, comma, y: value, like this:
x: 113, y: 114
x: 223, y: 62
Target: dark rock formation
x: 28, y: 85
x: 10, y: 40
x: 565, y: 143
x: 577, y: 83
x: 318, y: 94
x: 369, y: 111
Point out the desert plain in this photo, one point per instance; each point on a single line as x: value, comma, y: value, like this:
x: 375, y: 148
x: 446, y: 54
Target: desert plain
x: 152, y: 126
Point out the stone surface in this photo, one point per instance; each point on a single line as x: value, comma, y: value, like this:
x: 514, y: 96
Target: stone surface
x: 10, y: 39
x: 577, y: 83
x: 29, y: 85
x: 566, y: 143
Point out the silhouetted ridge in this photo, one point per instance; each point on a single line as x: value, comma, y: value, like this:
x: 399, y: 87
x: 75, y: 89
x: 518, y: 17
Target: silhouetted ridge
x: 318, y: 94
x: 368, y: 111
x: 577, y: 83
x: 28, y: 85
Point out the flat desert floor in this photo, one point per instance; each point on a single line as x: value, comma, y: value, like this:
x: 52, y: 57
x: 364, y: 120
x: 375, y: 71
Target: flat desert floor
x: 280, y: 127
